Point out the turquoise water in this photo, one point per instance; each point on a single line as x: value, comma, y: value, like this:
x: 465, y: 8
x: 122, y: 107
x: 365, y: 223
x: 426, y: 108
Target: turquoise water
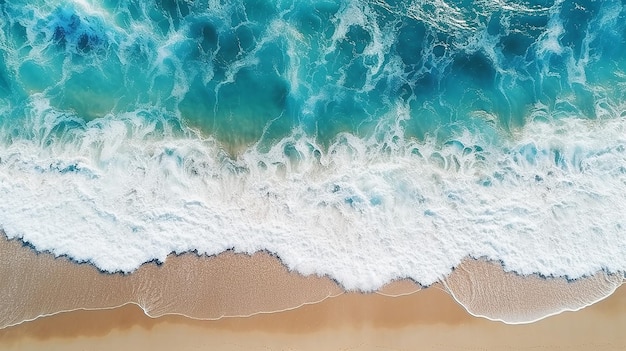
x: 248, y: 70
x: 417, y: 132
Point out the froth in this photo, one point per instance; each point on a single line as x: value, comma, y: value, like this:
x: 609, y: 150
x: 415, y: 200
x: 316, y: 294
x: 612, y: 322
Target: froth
x: 124, y: 190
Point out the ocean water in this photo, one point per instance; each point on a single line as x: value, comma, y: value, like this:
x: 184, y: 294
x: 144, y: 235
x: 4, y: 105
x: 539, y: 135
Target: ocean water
x: 363, y: 140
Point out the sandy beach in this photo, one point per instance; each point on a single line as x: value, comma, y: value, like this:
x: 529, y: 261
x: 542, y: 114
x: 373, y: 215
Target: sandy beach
x: 427, y: 320
x: 399, y: 317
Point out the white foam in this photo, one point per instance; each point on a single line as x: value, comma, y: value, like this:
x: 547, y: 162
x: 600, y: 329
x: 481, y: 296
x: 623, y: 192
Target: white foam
x: 119, y: 193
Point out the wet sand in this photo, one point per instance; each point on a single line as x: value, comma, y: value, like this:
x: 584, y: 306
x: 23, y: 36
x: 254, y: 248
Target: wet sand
x: 428, y: 320
x: 232, y: 284
x: 201, y: 287
x: 485, y: 289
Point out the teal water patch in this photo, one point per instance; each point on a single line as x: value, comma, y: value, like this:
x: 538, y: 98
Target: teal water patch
x: 250, y: 71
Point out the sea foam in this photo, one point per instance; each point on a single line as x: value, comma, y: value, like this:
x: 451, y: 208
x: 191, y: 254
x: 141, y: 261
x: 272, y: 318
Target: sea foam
x: 119, y: 192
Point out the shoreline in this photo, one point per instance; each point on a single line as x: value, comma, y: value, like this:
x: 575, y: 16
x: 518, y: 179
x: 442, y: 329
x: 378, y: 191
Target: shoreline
x: 198, y: 288
x: 429, y: 318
